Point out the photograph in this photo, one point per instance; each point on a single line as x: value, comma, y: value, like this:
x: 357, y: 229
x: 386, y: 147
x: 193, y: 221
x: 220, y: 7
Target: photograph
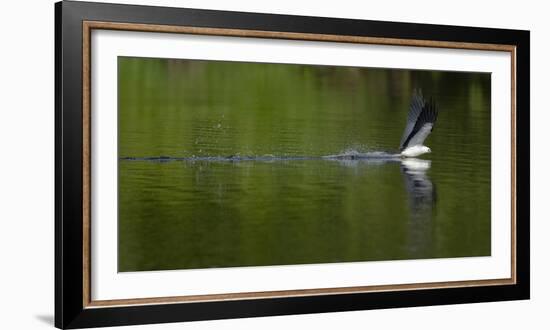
x: 218, y: 164
x: 248, y: 164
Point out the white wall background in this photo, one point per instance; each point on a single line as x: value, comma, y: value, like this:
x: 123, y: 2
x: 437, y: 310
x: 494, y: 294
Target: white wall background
x: 27, y: 168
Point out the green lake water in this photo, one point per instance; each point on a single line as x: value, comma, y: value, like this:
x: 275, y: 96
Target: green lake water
x: 205, y: 209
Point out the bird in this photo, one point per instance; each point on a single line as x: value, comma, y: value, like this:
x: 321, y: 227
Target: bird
x: 420, y: 123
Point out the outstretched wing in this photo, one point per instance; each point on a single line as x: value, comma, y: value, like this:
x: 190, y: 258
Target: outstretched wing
x: 420, y: 121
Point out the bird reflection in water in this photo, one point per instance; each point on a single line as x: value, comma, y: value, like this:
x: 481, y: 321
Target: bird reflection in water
x: 422, y: 198
x: 420, y: 188
x: 421, y: 195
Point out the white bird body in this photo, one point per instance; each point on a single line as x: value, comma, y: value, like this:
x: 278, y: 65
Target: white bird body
x: 415, y: 151
x: 420, y: 123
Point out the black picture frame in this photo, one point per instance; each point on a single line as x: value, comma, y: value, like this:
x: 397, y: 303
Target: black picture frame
x: 70, y: 309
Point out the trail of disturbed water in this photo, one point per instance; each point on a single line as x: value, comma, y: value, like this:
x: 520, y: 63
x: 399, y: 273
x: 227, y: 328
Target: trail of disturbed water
x: 376, y: 155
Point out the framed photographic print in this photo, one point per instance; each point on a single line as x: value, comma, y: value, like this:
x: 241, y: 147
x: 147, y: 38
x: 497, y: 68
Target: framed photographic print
x: 214, y: 164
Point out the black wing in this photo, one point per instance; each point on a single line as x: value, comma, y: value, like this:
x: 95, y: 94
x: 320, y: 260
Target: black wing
x: 422, y: 116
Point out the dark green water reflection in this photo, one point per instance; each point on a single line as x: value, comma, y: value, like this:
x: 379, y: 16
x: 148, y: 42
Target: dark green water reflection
x: 198, y: 214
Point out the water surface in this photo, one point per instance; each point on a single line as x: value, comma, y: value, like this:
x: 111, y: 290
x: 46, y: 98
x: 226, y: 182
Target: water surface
x: 222, y: 164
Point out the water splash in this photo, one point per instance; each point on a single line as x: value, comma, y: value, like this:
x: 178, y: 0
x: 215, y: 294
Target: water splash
x: 352, y: 154
x: 348, y: 154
